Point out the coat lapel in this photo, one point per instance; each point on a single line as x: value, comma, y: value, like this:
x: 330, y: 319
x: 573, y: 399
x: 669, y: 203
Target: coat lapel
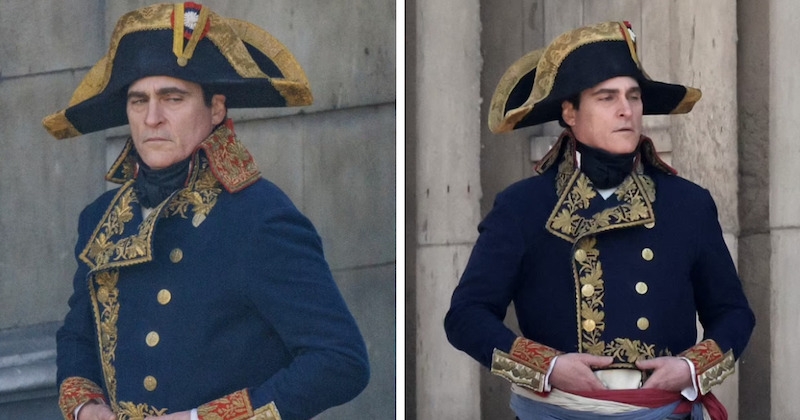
x: 581, y: 211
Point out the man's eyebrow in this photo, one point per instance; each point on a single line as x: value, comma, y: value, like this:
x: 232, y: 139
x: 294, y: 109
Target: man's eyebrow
x: 136, y: 94
x: 160, y: 92
x: 605, y: 91
x: 170, y: 90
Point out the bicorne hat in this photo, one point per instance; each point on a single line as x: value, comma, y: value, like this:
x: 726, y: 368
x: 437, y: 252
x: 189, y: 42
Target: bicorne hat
x: 532, y: 90
x: 190, y: 42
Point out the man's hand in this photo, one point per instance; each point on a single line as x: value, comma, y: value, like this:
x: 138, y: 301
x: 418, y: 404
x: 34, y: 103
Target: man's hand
x: 669, y: 373
x: 94, y: 411
x: 573, y: 372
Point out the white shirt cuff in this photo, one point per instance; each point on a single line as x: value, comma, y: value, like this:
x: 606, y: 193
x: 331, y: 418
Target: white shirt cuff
x: 193, y: 415
x: 690, y: 393
x: 547, y: 387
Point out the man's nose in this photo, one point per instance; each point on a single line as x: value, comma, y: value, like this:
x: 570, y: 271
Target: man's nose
x: 155, y: 114
x: 625, y: 108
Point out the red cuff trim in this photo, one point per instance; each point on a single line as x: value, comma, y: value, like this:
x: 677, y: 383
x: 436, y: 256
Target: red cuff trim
x: 235, y: 406
x: 526, y: 365
x: 75, y: 391
x: 711, y: 365
x: 533, y: 354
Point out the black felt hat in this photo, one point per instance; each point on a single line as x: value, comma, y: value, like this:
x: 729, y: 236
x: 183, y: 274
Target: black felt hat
x: 189, y: 42
x: 532, y: 90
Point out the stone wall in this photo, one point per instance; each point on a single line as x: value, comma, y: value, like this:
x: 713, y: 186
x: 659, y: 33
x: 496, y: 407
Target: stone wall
x: 335, y: 159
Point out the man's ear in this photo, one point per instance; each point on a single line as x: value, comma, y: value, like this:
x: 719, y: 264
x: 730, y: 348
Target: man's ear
x: 568, y: 113
x: 218, y: 108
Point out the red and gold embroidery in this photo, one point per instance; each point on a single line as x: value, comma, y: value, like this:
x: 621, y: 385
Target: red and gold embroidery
x: 229, y: 160
x: 526, y: 364
x: 711, y: 365
x: 75, y: 391
x: 235, y: 406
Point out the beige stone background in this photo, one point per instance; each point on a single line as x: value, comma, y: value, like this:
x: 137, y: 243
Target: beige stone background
x: 740, y: 142
x: 335, y: 159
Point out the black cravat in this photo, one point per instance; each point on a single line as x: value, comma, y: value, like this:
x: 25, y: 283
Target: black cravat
x: 154, y: 185
x: 605, y: 170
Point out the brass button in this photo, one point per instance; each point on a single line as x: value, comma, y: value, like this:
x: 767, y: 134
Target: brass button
x: 589, y: 325
x: 152, y: 339
x: 150, y: 383
x: 587, y: 290
x: 641, y: 288
x: 647, y: 254
x: 164, y: 296
x: 102, y: 294
x: 580, y: 255
x: 650, y: 225
x: 176, y: 255
x: 643, y: 323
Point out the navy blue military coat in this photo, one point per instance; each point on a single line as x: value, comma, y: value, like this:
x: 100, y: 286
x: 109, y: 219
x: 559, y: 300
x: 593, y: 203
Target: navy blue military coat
x: 621, y: 277
x: 220, y: 299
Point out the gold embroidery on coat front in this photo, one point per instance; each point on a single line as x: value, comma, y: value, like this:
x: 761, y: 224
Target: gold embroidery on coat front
x: 591, y: 315
x: 106, y: 318
x: 102, y: 252
x: 103, y: 255
x: 202, y: 197
x: 130, y: 411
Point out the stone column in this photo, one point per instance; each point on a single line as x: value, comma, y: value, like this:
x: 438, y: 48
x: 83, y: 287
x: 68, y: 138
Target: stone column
x: 754, y: 201
x: 705, y: 143
x: 447, y: 190
x: 784, y: 200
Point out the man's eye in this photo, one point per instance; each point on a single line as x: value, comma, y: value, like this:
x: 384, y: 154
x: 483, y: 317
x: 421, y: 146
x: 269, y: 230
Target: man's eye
x: 174, y: 99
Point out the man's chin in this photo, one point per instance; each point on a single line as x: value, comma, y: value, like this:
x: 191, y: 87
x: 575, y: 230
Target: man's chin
x: 626, y: 142
x: 158, y: 162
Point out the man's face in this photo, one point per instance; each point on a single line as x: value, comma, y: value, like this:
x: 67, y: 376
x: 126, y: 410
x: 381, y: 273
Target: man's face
x: 609, y: 116
x: 168, y: 118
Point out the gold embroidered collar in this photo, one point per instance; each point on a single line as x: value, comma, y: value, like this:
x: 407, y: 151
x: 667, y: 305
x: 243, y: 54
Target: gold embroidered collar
x: 123, y: 238
x: 573, y: 216
x: 230, y: 162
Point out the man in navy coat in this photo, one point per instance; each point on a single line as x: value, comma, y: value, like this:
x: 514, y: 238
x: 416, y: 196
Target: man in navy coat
x: 201, y: 291
x: 607, y: 255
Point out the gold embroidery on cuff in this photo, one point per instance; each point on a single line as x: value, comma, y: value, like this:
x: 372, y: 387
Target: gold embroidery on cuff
x: 235, y: 406
x: 526, y: 364
x: 504, y: 366
x: 267, y: 412
x: 75, y: 391
x: 717, y: 373
x: 711, y: 365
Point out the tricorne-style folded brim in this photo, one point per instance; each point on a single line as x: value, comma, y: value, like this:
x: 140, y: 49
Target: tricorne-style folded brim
x: 515, y: 105
x: 257, y: 71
